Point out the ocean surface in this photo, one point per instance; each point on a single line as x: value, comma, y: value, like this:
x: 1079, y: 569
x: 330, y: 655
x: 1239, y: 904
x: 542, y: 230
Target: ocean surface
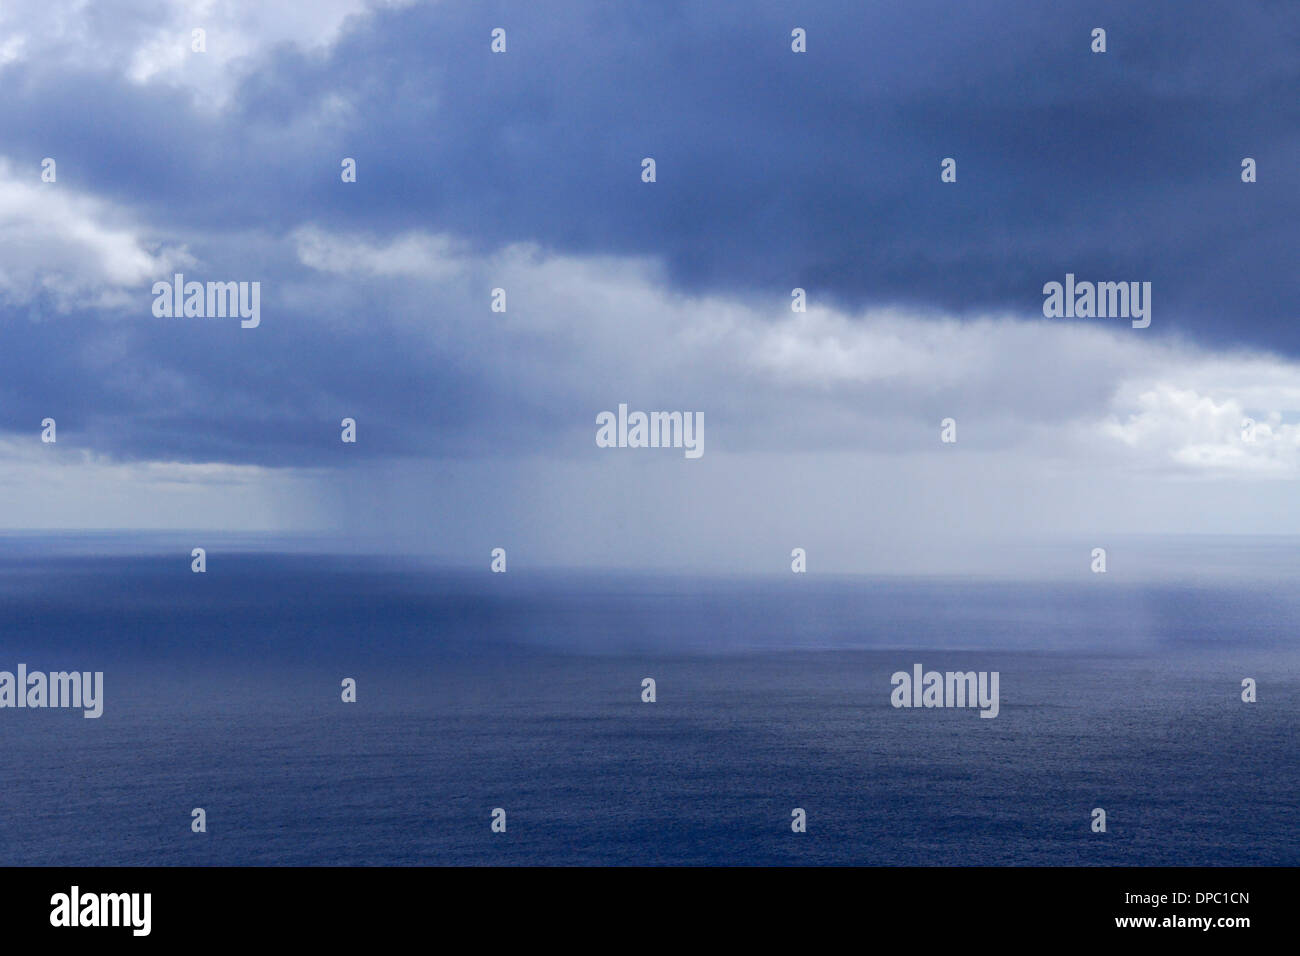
x: 523, y: 691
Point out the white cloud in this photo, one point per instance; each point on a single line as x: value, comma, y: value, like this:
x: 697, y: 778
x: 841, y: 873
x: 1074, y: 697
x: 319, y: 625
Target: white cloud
x: 76, y: 249
x: 412, y: 255
x: 878, y: 381
x: 151, y: 42
x: 1206, y: 432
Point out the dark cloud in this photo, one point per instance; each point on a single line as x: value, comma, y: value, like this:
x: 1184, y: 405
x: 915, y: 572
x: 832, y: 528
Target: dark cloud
x: 775, y: 170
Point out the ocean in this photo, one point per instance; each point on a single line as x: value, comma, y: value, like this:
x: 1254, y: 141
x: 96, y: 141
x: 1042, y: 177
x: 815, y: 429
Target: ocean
x: 522, y: 691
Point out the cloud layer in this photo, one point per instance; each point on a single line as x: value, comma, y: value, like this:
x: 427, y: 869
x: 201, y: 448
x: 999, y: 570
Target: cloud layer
x: 775, y: 170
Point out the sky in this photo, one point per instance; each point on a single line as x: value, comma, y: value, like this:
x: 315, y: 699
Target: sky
x: 774, y: 170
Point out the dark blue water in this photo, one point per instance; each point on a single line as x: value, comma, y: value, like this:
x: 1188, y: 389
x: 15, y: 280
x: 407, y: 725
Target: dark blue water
x: 522, y: 691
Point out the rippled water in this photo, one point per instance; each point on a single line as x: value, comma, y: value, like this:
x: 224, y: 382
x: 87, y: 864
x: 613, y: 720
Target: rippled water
x: 475, y: 692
